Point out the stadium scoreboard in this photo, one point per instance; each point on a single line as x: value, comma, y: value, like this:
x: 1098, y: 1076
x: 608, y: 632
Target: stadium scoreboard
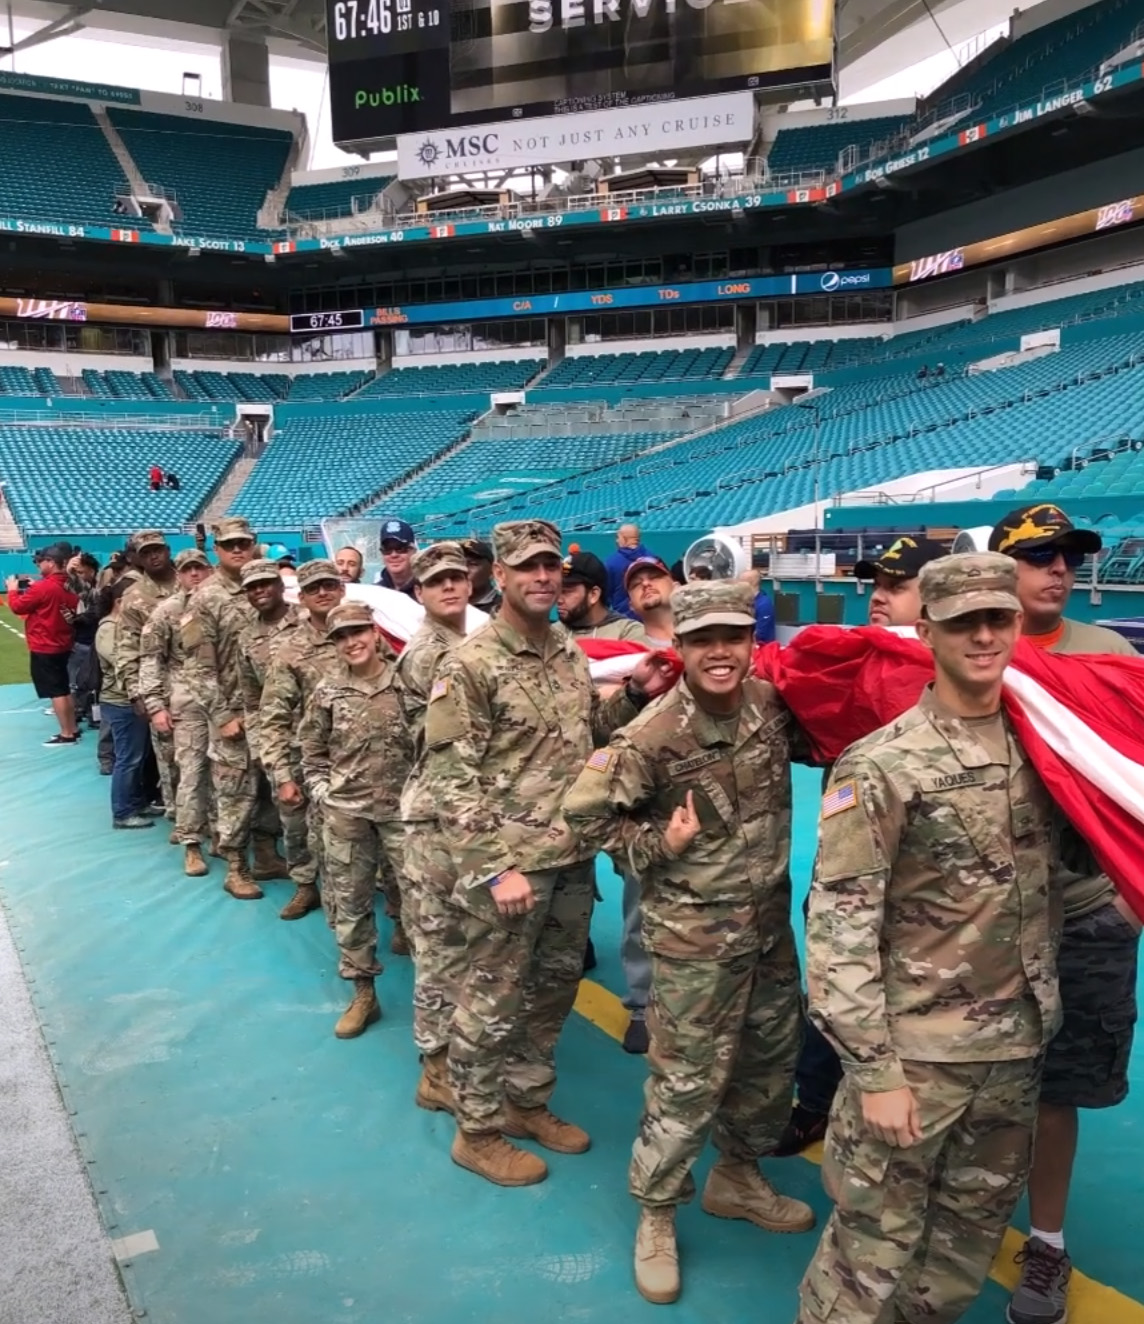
x: 351, y: 320
x: 412, y: 66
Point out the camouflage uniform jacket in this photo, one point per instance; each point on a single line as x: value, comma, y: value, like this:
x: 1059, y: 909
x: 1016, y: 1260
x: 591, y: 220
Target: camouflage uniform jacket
x: 211, y: 630
x: 356, y: 752
x: 255, y: 651
x: 301, y: 657
x: 416, y: 668
x: 935, y: 908
x: 138, y: 604
x: 161, y: 652
x: 509, y: 726
x: 728, y: 893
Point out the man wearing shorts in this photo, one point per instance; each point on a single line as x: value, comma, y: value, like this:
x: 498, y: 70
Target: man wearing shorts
x: 48, y: 608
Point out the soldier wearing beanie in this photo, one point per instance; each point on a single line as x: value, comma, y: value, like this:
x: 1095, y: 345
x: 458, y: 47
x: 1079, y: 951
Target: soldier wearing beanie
x: 938, y: 844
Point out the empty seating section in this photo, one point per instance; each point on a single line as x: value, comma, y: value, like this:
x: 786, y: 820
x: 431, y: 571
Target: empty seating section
x: 55, y: 163
x: 1048, y: 59
x: 667, y: 365
x: 869, y: 432
x: 321, y: 466
x: 219, y: 173
x: 46, y: 382
x: 1120, y: 475
x: 339, y: 197
x: 93, y: 479
x: 818, y: 147
x: 453, y: 379
x: 663, y: 416
x: 810, y: 356
x: 325, y: 385
x: 17, y: 381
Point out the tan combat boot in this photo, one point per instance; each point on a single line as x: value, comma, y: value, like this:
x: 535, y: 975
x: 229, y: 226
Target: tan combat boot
x: 545, y: 1128
x: 739, y: 1190
x: 363, y: 1010
x: 304, y: 900
x: 269, y: 866
x: 238, y: 881
x: 194, y: 866
x: 433, y: 1089
x: 657, y: 1256
x: 489, y: 1155
x: 173, y: 839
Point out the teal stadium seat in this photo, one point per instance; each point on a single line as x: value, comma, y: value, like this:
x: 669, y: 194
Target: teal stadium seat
x: 453, y: 379
x: 818, y: 147
x: 339, y: 197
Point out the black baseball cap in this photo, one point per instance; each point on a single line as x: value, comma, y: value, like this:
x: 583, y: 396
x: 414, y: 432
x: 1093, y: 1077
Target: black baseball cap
x: 397, y: 530
x: 584, y: 568
x: 903, y: 559
x: 1044, y: 525
x: 477, y: 550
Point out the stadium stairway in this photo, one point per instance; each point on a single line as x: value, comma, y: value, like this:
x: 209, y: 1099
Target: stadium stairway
x: 11, y: 539
x: 219, y: 502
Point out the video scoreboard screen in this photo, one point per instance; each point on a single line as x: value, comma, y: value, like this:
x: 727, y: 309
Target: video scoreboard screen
x: 410, y: 66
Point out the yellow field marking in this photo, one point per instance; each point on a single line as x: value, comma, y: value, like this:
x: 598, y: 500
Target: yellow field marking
x: 1090, y: 1302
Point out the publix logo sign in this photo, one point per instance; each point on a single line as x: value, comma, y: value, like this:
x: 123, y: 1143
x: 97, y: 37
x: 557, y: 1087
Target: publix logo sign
x: 844, y: 280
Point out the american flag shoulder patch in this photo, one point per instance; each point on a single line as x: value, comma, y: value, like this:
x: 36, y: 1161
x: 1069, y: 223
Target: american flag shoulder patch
x: 439, y: 690
x: 840, y: 798
x: 601, y: 760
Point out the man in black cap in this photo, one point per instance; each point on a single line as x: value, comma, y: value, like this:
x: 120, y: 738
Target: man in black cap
x: 583, y: 602
x: 1086, y: 1064
x: 398, y: 543
x: 896, y: 599
x: 479, y: 558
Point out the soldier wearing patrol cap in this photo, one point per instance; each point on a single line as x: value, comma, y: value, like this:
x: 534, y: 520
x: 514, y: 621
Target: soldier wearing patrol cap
x: 696, y: 793
x: 931, y: 962
x: 170, y: 705
x: 512, y: 716
x: 479, y: 559
x: 355, y: 755
x: 441, y: 578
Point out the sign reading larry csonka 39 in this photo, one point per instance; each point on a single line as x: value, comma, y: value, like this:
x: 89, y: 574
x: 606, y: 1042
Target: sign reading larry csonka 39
x: 415, y: 66
x: 661, y: 126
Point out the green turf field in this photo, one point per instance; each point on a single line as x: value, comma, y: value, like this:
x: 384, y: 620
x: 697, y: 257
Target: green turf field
x: 13, y: 654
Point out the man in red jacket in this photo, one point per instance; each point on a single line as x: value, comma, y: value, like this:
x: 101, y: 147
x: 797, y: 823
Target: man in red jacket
x: 48, y: 608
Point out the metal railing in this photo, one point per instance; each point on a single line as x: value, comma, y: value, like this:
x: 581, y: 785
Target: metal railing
x: 136, y: 422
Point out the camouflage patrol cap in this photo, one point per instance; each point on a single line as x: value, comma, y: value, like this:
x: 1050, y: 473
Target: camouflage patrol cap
x: 314, y: 572
x: 231, y: 527
x: 712, y: 602
x: 970, y: 581
x: 191, y: 556
x: 437, y: 559
x: 147, y: 538
x: 515, y: 542
x: 349, y: 616
x: 258, y: 571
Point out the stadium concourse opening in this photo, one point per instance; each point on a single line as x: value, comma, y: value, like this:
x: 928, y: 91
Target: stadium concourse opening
x: 249, y: 1167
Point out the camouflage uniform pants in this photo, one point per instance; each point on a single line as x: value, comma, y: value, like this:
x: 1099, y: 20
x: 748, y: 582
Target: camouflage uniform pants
x: 193, y: 790
x: 354, y: 849
x: 919, y: 1227
x: 243, y: 800
x: 436, y: 935
x: 164, y: 747
x: 724, y: 1040
x: 301, y: 864
x: 519, y: 983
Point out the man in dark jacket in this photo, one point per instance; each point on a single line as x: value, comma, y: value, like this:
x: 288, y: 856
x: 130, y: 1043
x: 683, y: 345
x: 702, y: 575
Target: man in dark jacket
x: 48, y: 608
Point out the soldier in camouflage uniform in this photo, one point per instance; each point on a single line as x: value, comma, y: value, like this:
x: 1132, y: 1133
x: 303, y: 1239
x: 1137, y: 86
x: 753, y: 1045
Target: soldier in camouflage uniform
x: 155, y: 582
x: 356, y: 755
x: 301, y: 655
x: 211, y: 630
x: 265, y: 591
x: 512, y: 715
x: 171, y: 709
x: 695, y: 794
x: 441, y: 582
x: 931, y: 954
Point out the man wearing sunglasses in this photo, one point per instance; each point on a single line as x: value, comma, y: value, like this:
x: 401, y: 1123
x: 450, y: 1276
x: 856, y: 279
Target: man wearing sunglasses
x: 1086, y: 1065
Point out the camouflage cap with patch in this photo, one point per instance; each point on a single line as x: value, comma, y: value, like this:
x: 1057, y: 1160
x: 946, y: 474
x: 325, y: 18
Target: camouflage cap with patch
x: 147, y: 538
x: 970, y: 581
x: 191, y: 556
x: 707, y: 602
x: 437, y: 559
x: 314, y: 572
x: 349, y: 616
x: 232, y: 526
x: 519, y: 540
x: 259, y: 571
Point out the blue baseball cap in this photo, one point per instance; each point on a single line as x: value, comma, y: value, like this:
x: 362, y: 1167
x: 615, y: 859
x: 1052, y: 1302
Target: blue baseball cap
x: 397, y: 530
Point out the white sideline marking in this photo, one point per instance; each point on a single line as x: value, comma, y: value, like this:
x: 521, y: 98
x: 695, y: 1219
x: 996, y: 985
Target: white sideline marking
x: 137, y: 1243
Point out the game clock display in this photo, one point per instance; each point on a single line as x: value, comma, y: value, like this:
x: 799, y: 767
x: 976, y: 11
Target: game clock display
x: 350, y: 320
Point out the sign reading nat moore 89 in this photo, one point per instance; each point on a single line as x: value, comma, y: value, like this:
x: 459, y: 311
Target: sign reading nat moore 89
x: 408, y: 66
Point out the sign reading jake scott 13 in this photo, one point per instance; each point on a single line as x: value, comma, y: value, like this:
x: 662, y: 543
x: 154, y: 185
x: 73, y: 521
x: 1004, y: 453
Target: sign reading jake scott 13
x: 412, y: 66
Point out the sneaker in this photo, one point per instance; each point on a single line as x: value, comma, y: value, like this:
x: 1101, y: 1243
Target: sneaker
x: 803, y: 1130
x: 635, y: 1036
x: 133, y: 822
x: 1042, y: 1294
x: 62, y: 740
